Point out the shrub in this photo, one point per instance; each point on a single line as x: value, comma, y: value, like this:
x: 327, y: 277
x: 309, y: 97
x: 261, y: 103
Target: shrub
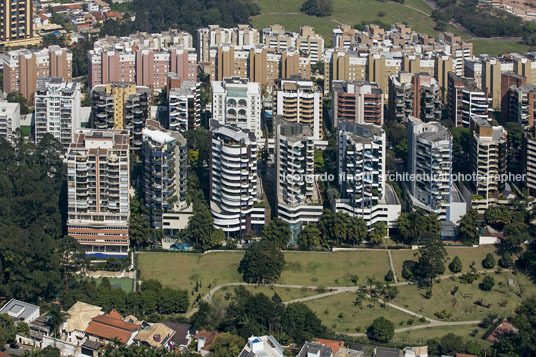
x: 487, y: 283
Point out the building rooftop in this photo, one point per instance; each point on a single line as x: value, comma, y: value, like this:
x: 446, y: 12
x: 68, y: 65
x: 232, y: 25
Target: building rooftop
x: 360, y: 133
x: 109, y: 328
x: 182, y: 332
x: 315, y: 349
x: 157, y: 336
x: 80, y: 315
x: 20, y: 310
x: 264, y: 346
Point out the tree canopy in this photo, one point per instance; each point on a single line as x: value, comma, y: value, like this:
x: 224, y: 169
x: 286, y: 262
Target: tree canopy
x: 263, y: 263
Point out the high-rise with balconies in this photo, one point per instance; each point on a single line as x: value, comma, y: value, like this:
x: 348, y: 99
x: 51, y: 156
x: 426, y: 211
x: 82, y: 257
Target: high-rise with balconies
x: 357, y: 101
x: 164, y: 171
x: 300, y: 101
x: 9, y: 120
x: 465, y: 99
x: 488, y: 158
x: 521, y: 106
x: 16, y: 23
x: 299, y: 201
x: 415, y: 95
x: 121, y: 106
x: 236, y: 198
x: 57, y: 109
x: 184, y: 106
x: 430, y: 170
x: 97, y: 190
x: 237, y: 102
x: 361, y: 167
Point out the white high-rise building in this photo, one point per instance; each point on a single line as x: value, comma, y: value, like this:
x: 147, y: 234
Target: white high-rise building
x: 236, y: 199
x: 237, y: 102
x: 184, y: 107
x: 361, y: 164
x: 299, y: 200
x: 98, y: 181
x: 57, y: 109
x: 430, y: 170
x: 9, y: 119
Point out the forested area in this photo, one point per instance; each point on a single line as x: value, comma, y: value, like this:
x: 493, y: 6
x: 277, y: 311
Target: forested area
x: 37, y: 259
x: 187, y: 15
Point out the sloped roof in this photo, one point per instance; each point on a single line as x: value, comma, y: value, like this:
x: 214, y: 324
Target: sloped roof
x: 156, y: 335
x: 109, y: 328
x: 334, y: 345
x: 80, y: 315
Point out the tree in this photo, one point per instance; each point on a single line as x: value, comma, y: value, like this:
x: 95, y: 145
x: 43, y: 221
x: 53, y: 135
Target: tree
x: 390, y: 276
x: 17, y: 97
x: 377, y: 233
x: 200, y: 231
x: 515, y: 235
x: 474, y: 348
x: 56, y: 318
x: 413, y: 226
x: 451, y: 344
x: 468, y: 227
x: 489, y: 261
x: 262, y: 263
x: 506, y: 261
x: 23, y: 328
x: 487, y: 283
x: 381, y: 330
x: 277, y: 231
x: 455, y: 265
x: 139, y: 227
x: 310, y: 237
x: 317, y: 7
x: 7, y: 330
x: 227, y: 344
x: 431, y: 261
x: 523, y: 341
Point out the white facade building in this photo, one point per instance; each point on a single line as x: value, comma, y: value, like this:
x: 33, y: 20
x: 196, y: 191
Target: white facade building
x: 184, y: 107
x: 9, y: 120
x: 236, y: 199
x: 57, y: 109
x: 237, y: 102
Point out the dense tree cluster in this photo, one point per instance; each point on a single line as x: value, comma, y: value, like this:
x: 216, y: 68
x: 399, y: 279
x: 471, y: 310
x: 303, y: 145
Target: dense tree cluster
x: 523, y: 342
x: 263, y: 263
x: 37, y: 260
x: 151, y: 299
x: 416, y: 226
x: 258, y: 315
x: 431, y: 258
x: 318, y: 8
x: 189, y: 15
x: 452, y: 344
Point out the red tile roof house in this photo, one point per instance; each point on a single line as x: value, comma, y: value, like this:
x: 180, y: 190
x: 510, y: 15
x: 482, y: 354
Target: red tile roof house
x: 504, y: 327
x: 204, y: 340
x: 110, y: 327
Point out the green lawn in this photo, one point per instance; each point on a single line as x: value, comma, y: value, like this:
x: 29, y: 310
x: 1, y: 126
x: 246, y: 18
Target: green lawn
x: 322, y: 25
x: 419, y: 337
x: 25, y: 130
x: 183, y: 270
x: 461, y: 305
x: 467, y: 255
x: 328, y: 309
x: 280, y: 5
x: 286, y: 294
x: 494, y: 48
x: 124, y: 283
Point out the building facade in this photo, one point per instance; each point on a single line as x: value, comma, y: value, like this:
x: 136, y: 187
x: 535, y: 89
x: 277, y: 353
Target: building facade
x: 358, y: 101
x: 121, y: 105
x: 465, y: 99
x: 237, y: 102
x: 9, y: 120
x: 521, y: 104
x: 236, y: 198
x: 299, y: 201
x: 165, y: 163
x: 57, y: 109
x: 16, y: 23
x: 300, y: 101
x: 97, y: 190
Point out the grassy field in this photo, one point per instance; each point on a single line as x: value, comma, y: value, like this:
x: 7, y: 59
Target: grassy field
x: 182, y: 270
x: 467, y: 255
x: 419, y: 337
x: 494, y: 48
x: 286, y: 294
x: 461, y: 305
x: 124, y: 283
x: 329, y: 310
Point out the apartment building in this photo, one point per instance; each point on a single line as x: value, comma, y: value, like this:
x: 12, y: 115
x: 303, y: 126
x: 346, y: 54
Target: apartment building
x: 488, y: 159
x: 23, y: 67
x: 343, y: 37
x: 521, y: 104
x: 430, y: 165
x: 465, y: 99
x: 472, y: 68
x: 525, y: 65
x: 357, y: 101
x: 165, y: 169
x: 381, y: 67
x: 57, y: 109
x: 97, y: 190
x: 237, y: 102
x: 300, y: 101
x: 143, y: 59
x: 344, y: 66
x: 236, y: 197
x: 214, y: 35
x: 121, y: 105
x: 306, y: 41
x: 459, y: 49
x: 492, y: 70
x: 509, y: 80
x: 443, y: 65
x: 16, y: 23
x: 529, y: 160
x: 415, y: 95
x: 361, y: 168
x: 258, y: 63
x: 299, y: 200
x: 184, y: 106
x: 9, y: 120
